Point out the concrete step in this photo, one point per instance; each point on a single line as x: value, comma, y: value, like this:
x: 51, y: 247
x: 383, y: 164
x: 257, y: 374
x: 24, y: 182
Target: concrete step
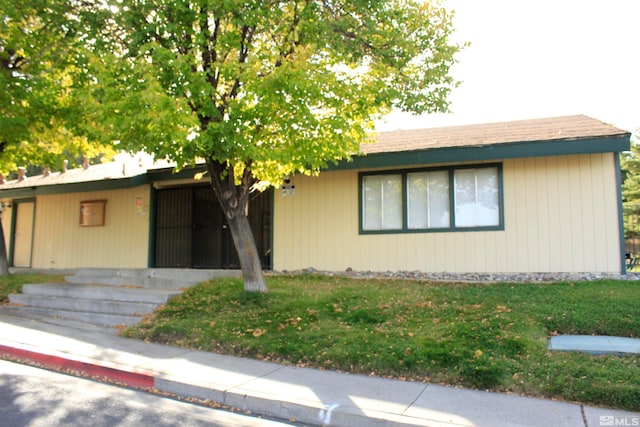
x: 142, y: 282
x: 106, y: 298
x: 97, y: 306
x: 130, y: 308
x: 101, y: 292
x: 33, y: 314
x: 96, y: 319
x: 163, y: 278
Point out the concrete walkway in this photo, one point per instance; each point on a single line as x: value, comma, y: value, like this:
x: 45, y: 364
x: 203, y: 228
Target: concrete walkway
x: 308, y: 396
x: 595, y: 344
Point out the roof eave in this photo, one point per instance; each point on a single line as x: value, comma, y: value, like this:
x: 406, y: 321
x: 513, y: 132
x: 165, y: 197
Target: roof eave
x: 608, y: 144
x: 76, y: 187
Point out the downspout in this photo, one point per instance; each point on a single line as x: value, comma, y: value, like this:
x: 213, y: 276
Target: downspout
x: 623, y: 264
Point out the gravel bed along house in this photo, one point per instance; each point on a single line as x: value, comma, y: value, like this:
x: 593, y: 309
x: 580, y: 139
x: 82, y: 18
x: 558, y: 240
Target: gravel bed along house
x: 471, y: 277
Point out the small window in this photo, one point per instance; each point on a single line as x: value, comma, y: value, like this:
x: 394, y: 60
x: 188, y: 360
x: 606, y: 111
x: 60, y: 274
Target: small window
x: 443, y: 199
x: 92, y: 213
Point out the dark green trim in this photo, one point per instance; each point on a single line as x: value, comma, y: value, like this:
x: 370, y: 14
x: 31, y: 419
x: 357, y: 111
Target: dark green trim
x: 452, y: 197
x: 405, y: 201
x: 168, y: 174
x: 77, y: 187
x: 618, y: 169
x: 151, y: 252
x: 12, y: 237
x: 452, y: 227
x: 501, y: 219
x: 272, y: 227
x: 487, y: 153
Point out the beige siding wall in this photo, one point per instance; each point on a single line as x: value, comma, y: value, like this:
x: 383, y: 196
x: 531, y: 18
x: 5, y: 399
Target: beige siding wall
x: 561, y: 215
x: 60, y: 242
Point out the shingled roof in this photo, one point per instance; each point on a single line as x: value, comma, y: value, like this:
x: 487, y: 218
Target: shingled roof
x: 124, y: 167
x: 425, y: 146
x: 549, y: 129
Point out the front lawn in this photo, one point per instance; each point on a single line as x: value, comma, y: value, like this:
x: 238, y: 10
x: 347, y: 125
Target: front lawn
x: 485, y: 336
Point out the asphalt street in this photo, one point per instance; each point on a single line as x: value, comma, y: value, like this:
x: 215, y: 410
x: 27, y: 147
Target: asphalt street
x: 39, y: 398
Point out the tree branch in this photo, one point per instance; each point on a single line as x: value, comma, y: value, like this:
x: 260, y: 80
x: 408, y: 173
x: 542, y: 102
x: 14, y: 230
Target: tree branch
x: 291, y: 36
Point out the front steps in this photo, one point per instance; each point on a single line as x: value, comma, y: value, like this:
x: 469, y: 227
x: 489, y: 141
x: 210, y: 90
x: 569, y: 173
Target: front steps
x: 105, y: 299
x: 150, y: 278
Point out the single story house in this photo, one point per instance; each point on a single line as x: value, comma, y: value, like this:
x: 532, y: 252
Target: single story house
x: 530, y: 196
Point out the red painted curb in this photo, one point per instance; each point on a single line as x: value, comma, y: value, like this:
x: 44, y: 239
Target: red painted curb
x: 131, y: 379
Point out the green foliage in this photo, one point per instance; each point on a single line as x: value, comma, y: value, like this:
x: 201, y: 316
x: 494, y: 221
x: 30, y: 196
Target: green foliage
x: 267, y: 88
x: 630, y: 168
x: 38, y: 61
x: 630, y: 165
x: 259, y: 90
x: 487, y: 336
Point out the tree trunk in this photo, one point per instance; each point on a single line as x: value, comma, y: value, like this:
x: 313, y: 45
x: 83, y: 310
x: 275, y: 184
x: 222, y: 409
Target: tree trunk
x: 247, y: 254
x: 234, y: 200
x: 4, y: 263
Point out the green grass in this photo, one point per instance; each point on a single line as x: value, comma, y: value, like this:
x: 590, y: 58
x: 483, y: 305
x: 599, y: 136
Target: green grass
x: 13, y: 283
x: 485, y: 336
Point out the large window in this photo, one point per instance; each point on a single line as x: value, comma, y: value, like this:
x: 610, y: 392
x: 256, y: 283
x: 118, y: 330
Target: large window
x: 444, y: 199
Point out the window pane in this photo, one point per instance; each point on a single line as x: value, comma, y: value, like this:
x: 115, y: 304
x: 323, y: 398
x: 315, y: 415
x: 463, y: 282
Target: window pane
x: 372, y: 203
x: 418, y: 200
x: 476, y: 197
x: 382, y: 202
x: 392, y: 202
x: 428, y: 199
x: 488, y: 200
x: 439, y: 199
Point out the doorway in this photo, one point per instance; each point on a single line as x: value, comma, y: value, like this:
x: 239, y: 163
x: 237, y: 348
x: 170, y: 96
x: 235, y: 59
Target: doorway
x: 191, y: 230
x: 23, y: 221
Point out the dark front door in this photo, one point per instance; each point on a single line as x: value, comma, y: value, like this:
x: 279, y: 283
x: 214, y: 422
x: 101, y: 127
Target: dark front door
x: 209, y: 239
x: 191, y: 230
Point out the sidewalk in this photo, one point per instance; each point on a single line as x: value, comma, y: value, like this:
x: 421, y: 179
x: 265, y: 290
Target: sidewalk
x: 310, y: 396
x: 595, y: 344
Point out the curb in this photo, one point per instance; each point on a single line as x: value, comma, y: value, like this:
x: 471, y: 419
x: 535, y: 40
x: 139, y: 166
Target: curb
x: 297, y: 413
x: 137, y: 380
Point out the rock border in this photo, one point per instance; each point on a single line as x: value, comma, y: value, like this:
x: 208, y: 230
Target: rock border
x: 469, y: 277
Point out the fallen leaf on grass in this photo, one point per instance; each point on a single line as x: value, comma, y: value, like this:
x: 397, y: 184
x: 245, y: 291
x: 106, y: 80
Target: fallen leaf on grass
x: 501, y: 308
x: 423, y: 304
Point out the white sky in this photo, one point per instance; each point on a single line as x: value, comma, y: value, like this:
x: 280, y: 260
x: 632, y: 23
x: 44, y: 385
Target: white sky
x: 542, y: 58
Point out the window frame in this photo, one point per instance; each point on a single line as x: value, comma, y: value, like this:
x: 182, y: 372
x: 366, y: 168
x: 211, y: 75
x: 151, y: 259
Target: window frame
x: 92, y: 213
x: 452, y: 215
